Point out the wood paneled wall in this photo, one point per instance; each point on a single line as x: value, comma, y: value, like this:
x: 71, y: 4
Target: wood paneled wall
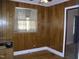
x: 50, y: 26
x: 0, y: 9
x: 5, y: 29
x: 56, y: 15
x: 28, y: 40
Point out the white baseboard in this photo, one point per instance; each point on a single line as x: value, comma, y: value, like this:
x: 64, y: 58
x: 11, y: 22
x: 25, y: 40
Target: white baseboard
x: 29, y: 51
x: 39, y: 49
x: 61, y: 54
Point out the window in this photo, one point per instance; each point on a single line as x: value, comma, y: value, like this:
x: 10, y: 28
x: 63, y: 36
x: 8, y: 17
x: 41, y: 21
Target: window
x: 26, y: 20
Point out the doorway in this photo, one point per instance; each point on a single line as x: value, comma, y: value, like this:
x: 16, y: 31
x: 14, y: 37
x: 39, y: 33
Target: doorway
x: 72, y: 21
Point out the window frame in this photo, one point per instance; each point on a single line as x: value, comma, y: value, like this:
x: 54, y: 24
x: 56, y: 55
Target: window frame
x: 16, y: 21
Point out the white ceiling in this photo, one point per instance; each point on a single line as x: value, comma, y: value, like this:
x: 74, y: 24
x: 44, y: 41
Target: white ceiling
x: 37, y: 2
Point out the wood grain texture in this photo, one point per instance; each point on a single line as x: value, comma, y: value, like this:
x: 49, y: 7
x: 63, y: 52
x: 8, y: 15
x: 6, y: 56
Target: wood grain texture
x: 56, y: 20
x: 28, y: 40
x: 6, y: 29
x: 0, y: 9
x: 50, y: 26
x: 56, y: 16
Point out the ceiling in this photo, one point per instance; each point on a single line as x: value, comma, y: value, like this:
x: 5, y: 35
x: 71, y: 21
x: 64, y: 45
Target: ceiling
x: 37, y: 2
